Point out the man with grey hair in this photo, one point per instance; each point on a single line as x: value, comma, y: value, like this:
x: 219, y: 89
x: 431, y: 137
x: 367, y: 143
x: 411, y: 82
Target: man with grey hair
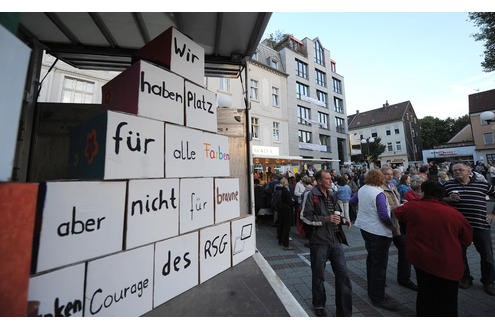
x: 468, y: 195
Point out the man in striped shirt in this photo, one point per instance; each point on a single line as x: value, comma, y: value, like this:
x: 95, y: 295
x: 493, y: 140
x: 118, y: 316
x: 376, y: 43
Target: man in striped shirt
x: 468, y: 195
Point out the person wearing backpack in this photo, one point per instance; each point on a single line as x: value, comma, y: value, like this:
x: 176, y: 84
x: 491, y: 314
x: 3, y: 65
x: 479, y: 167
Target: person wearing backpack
x: 326, y: 244
x: 283, y: 203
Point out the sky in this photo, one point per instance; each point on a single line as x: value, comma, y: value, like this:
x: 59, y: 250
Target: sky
x: 428, y: 58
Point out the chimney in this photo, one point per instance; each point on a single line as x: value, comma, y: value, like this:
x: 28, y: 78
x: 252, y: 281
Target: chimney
x: 357, y: 111
x: 385, y: 105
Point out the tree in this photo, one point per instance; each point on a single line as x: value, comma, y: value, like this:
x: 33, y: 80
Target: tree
x: 274, y: 38
x: 435, y: 131
x: 370, y: 151
x: 486, y: 22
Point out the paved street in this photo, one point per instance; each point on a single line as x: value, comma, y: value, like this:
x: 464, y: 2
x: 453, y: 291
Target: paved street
x: 293, y: 268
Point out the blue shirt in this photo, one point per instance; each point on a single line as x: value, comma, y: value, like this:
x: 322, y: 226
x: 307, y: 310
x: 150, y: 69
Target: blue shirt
x: 344, y: 193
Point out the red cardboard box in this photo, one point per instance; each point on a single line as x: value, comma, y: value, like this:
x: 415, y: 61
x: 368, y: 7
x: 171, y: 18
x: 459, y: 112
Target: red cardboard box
x: 148, y: 91
x: 18, y: 208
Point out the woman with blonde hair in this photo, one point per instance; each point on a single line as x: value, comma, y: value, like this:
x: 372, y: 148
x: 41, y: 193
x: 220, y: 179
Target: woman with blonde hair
x: 284, y: 209
x: 373, y: 218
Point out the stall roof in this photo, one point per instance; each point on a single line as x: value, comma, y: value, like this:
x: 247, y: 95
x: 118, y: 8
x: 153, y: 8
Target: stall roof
x: 108, y: 40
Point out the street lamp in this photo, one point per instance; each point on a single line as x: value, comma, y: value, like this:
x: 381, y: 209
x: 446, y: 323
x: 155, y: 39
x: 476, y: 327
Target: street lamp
x: 487, y: 117
x: 367, y: 141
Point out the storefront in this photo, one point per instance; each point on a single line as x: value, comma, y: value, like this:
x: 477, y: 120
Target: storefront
x: 466, y: 153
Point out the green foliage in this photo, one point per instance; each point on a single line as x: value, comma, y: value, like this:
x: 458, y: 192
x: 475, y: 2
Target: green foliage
x: 274, y: 38
x: 485, y: 21
x: 435, y: 131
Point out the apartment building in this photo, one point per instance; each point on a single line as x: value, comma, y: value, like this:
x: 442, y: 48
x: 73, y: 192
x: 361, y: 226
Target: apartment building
x: 398, y: 128
x: 481, y: 114
x: 315, y: 102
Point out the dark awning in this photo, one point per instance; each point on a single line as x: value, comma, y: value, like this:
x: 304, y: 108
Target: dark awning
x: 107, y: 41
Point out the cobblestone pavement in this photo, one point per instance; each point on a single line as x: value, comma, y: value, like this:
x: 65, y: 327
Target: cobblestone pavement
x: 293, y: 268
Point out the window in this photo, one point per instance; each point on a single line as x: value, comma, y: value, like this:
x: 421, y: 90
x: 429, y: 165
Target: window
x: 488, y: 138
x: 321, y: 78
x: 77, y: 91
x: 275, y: 92
x: 374, y: 133
x: 490, y: 157
x: 323, y: 120
x: 389, y: 146
x: 304, y: 136
x: 325, y: 141
x: 273, y: 63
x: 340, y: 125
x: 396, y: 129
x: 337, y: 85
x: 338, y: 104
x: 398, y: 146
x: 301, y: 90
x: 319, y: 54
x: 255, y: 128
x: 224, y: 84
x: 303, y: 115
x: 254, y: 89
x: 333, y: 67
x: 387, y: 132
x: 322, y: 96
x: 254, y: 56
x: 276, y: 131
x: 301, y: 69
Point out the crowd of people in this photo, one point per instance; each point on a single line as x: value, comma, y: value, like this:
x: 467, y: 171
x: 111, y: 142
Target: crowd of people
x: 430, y: 213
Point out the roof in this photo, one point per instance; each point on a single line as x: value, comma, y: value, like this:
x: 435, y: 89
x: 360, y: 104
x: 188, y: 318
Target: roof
x: 482, y: 101
x: 382, y: 115
x: 108, y: 40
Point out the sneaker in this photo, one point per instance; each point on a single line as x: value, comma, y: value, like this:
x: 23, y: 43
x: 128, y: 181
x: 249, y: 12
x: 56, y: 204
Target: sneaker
x: 387, y: 304
x: 489, y: 289
x: 465, y: 283
x: 320, y: 312
x: 409, y: 284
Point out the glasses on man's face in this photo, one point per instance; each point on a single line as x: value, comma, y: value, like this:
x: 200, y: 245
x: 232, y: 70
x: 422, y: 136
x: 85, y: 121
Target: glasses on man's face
x: 459, y: 170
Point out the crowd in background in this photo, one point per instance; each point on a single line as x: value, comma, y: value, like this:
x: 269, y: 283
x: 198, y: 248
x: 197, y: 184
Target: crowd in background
x: 436, y: 186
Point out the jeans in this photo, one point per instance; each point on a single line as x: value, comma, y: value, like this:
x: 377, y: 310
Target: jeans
x: 403, y: 266
x: 483, y: 243
x: 376, y: 264
x: 343, y: 290
x: 437, y: 297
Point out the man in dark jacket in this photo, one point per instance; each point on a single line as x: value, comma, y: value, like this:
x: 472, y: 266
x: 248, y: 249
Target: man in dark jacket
x: 325, y: 244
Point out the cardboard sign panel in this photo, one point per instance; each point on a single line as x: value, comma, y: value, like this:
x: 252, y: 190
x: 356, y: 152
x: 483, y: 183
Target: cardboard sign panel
x: 176, y: 267
x: 18, y: 210
x: 243, y: 239
x: 121, y: 284
x: 227, y: 199
x: 117, y: 146
x: 152, y: 211
x: 60, y: 293
x: 216, y: 155
x: 196, y: 204
x: 178, y: 52
x: 183, y: 152
x: 201, y: 108
x: 81, y: 220
x: 214, y: 251
x: 146, y: 90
